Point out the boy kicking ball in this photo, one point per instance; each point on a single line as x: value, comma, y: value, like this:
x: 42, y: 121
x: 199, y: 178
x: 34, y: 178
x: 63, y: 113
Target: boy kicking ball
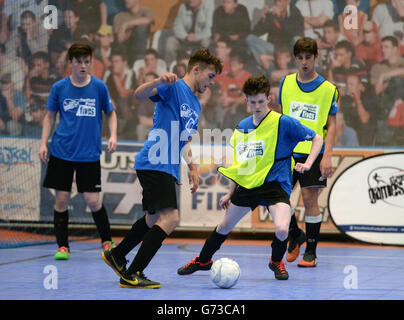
x: 260, y: 174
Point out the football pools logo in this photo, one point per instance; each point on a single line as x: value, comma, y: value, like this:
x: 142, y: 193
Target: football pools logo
x: 386, y: 184
x: 82, y: 107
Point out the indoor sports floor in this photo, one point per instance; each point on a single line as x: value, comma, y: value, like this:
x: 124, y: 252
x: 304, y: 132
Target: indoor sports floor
x: 344, y: 272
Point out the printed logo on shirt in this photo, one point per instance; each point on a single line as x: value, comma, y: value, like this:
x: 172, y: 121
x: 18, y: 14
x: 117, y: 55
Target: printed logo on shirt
x: 190, y: 115
x: 83, y: 107
x: 304, y: 111
x: 250, y: 149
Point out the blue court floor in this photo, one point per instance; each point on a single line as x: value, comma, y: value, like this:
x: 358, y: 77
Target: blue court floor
x: 342, y: 273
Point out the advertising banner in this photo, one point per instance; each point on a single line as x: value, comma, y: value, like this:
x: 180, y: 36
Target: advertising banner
x: 19, y: 179
x: 367, y: 199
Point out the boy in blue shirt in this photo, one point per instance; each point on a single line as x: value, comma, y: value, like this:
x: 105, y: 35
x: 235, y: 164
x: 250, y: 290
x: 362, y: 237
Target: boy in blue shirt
x: 267, y: 139
x: 157, y: 165
x: 76, y: 147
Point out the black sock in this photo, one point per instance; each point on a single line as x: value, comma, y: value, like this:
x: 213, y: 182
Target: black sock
x: 312, y: 234
x: 61, y: 222
x: 151, y: 243
x: 278, y: 249
x: 294, y: 230
x: 102, y: 223
x: 212, y: 244
x: 133, y: 238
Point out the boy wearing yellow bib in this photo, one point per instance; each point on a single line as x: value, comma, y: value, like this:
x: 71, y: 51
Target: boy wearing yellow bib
x: 309, y: 98
x: 260, y: 174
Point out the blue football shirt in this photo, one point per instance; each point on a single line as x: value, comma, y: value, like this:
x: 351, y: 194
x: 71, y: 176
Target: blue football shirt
x: 78, y: 135
x: 175, y: 119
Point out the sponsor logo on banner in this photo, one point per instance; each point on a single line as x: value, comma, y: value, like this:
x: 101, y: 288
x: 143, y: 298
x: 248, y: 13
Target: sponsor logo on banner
x: 367, y: 199
x: 19, y: 179
x: 387, y: 184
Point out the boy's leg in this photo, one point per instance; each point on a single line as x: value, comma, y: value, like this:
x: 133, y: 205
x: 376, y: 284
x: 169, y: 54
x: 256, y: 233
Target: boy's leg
x: 294, y: 230
x: 168, y: 220
x: 135, y: 235
x: 59, y: 176
x: 116, y: 257
x: 133, y: 277
x: 313, y: 219
x: 88, y: 180
x: 61, y: 222
x: 100, y: 216
x: 281, y: 216
x: 233, y: 215
x: 160, y: 201
x: 214, y: 241
x: 310, y: 182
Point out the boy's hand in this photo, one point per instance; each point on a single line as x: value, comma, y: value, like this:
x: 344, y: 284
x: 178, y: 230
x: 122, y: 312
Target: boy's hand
x: 168, y: 78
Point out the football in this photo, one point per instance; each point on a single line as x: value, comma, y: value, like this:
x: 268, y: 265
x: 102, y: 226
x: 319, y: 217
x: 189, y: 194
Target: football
x: 225, y: 273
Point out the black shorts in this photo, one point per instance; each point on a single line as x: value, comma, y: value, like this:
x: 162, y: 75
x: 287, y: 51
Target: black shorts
x: 311, y: 178
x: 60, y: 173
x: 268, y: 194
x: 159, y: 190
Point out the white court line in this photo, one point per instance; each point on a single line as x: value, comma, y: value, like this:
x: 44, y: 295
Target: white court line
x: 240, y: 254
x: 266, y: 254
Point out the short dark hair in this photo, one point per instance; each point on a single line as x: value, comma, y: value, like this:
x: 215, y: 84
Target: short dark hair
x: 305, y: 44
x: 237, y: 56
x: 347, y: 45
x: 332, y: 24
x: 392, y: 39
x: 41, y: 55
x: 204, y: 58
x: 224, y: 39
x: 28, y: 14
x: 119, y: 52
x: 255, y: 85
x: 79, y: 50
x: 152, y: 51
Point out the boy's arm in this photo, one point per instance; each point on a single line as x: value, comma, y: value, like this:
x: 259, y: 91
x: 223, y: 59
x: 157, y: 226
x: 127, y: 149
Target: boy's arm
x: 193, y: 168
x: 48, y: 122
x: 149, y: 89
x: 317, y: 144
x: 113, y: 125
x: 225, y: 200
x: 326, y: 164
